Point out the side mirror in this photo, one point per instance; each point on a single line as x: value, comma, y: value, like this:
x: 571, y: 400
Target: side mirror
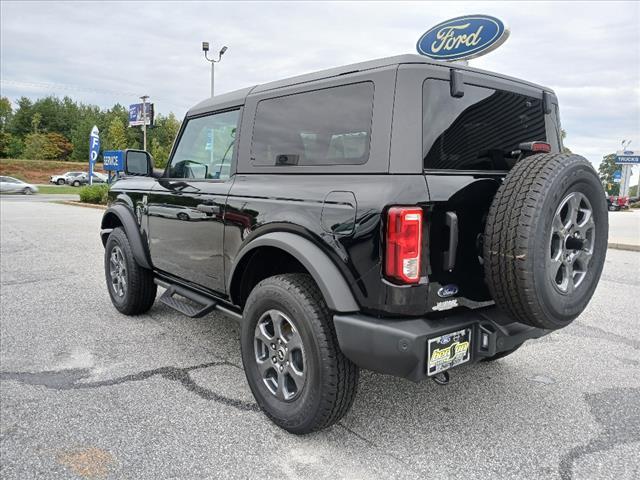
x: 138, y: 163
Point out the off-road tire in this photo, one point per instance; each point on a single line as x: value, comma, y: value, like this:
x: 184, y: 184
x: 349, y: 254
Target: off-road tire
x: 332, y: 379
x: 141, y: 290
x: 518, y: 233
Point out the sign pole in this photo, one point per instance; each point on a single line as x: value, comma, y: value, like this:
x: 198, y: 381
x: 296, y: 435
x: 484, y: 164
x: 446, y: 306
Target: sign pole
x: 144, y: 121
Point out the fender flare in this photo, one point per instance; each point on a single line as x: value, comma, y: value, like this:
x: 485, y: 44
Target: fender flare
x: 332, y: 284
x: 132, y: 229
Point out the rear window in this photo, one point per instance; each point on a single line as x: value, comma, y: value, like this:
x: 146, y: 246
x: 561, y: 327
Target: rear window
x: 323, y: 127
x: 475, y: 132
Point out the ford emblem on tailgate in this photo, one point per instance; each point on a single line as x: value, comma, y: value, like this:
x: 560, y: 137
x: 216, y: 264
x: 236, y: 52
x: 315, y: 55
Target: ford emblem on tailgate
x: 463, y: 38
x: 448, y: 291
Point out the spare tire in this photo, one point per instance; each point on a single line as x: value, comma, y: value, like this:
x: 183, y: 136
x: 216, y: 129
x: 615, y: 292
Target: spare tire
x: 545, y: 239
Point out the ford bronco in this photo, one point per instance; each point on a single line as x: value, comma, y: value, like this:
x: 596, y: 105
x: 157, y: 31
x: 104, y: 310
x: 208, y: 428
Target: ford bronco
x: 401, y: 215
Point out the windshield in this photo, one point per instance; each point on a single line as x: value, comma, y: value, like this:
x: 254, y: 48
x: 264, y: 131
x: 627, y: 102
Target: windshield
x: 479, y: 130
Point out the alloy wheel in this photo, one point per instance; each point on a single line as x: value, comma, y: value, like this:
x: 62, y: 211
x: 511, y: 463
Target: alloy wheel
x: 279, y: 354
x: 572, y: 242
x: 118, y: 271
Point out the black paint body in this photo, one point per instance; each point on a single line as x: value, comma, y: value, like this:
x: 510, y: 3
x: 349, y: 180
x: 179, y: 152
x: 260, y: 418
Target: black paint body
x: 195, y: 229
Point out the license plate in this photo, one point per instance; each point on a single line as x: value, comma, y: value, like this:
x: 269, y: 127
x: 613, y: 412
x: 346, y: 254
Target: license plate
x: 448, y: 351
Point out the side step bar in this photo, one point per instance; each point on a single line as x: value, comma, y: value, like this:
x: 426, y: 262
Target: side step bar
x: 197, y: 305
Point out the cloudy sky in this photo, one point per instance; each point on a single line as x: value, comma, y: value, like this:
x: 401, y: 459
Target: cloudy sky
x: 107, y: 52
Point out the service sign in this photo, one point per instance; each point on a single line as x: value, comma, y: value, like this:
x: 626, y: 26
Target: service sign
x: 113, y: 160
x: 462, y: 38
x: 628, y: 157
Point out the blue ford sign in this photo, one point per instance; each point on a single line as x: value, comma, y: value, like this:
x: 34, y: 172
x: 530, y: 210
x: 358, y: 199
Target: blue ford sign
x: 94, y: 150
x: 113, y: 160
x: 462, y: 38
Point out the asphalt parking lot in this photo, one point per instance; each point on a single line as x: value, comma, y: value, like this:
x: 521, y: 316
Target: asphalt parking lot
x: 86, y: 392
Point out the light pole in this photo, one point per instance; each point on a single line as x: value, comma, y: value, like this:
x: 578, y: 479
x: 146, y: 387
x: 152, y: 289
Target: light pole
x: 144, y: 121
x: 212, y: 61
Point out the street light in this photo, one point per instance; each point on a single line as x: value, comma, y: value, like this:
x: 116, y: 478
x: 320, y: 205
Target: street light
x: 213, y: 61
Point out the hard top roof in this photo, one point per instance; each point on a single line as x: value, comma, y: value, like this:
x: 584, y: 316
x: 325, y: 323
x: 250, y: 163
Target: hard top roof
x: 237, y: 97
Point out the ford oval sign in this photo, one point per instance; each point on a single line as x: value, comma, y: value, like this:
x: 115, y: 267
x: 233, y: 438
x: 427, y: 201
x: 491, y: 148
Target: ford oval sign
x: 448, y: 291
x: 462, y: 38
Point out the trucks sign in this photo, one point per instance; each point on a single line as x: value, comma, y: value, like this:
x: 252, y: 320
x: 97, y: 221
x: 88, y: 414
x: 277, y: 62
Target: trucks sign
x: 462, y: 38
x: 628, y: 157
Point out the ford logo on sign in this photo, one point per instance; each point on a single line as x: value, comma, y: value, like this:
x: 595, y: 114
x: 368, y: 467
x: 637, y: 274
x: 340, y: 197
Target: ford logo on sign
x: 448, y: 291
x: 463, y: 38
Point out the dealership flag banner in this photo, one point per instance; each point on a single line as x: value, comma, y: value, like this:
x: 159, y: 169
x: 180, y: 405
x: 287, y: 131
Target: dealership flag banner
x: 94, y: 149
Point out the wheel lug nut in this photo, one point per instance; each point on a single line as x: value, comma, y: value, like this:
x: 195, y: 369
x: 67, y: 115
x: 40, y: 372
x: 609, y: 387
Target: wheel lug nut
x: 273, y: 345
x: 274, y: 360
x: 281, y: 368
x: 280, y: 341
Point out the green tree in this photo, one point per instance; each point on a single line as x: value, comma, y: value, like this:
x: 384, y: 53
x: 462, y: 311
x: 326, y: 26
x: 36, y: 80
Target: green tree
x: 14, y: 146
x: 116, y: 136
x: 34, y: 146
x: 20, y: 124
x: 80, y: 139
x: 6, y: 112
x: 606, y: 170
x: 35, y: 122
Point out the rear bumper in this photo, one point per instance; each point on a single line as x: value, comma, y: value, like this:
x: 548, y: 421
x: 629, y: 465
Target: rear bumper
x: 399, y: 346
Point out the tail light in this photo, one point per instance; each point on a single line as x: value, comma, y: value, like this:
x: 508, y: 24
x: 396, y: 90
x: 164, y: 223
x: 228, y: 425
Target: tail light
x: 535, y: 147
x: 404, y: 244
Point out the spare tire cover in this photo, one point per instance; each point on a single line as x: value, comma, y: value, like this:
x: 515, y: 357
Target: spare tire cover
x: 545, y: 239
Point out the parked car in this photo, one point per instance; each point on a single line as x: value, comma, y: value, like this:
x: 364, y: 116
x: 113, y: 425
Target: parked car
x: 83, y: 179
x: 616, y: 203
x: 13, y: 185
x: 62, y: 179
x: 431, y: 225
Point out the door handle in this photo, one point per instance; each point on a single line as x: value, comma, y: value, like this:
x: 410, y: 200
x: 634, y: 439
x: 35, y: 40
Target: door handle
x: 208, y: 209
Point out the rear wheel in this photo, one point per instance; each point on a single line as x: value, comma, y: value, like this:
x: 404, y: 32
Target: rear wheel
x: 545, y: 239
x: 27, y: 191
x: 130, y: 286
x: 291, y: 357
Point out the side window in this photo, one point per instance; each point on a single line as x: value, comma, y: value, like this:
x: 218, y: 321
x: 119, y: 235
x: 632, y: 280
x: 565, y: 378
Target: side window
x: 205, y: 148
x: 323, y: 127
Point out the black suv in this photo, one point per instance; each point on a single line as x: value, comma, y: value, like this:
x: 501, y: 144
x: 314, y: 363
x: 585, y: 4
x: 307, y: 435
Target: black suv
x: 401, y: 215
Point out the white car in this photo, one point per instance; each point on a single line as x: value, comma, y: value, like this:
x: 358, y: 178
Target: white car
x: 62, y: 179
x: 13, y: 185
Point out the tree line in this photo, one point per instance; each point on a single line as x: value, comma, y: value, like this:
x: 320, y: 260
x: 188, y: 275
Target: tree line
x: 53, y: 128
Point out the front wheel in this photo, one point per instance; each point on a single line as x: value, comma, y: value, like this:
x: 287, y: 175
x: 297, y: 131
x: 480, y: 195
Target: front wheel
x: 60, y: 181
x: 130, y: 286
x: 76, y: 183
x: 291, y: 357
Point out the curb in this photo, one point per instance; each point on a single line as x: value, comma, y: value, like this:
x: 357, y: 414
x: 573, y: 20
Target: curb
x: 624, y: 246
x: 80, y: 204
